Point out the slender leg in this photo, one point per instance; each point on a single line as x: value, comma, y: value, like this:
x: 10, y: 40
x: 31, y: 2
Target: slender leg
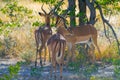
x: 51, y: 71
x: 36, y: 58
x: 45, y: 55
x: 69, y: 51
x: 40, y: 54
x: 54, y: 66
x: 55, y: 71
x: 73, y: 53
x: 93, y: 54
x: 61, y: 69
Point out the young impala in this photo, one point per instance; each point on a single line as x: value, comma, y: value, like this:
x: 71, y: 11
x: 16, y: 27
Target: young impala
x: 56, y: 45
x: 80, y: 34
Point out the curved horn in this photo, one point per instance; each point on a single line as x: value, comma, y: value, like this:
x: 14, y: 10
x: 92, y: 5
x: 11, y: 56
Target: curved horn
x: 64, y: 20
x: 43, y: 9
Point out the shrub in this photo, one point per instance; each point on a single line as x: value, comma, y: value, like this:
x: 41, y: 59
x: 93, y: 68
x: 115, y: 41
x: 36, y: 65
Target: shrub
x: 116, y: 63
x: 111, y: 51
x: 13, y: 71
x: 27, y: 55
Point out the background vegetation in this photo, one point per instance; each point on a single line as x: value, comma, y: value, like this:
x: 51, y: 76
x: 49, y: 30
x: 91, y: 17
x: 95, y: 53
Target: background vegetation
x: 19, y: 19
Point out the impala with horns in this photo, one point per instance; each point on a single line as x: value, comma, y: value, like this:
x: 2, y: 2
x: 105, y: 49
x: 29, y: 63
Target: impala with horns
x: 43, y: 33
x: 79, y: 34
x: 56, y: 46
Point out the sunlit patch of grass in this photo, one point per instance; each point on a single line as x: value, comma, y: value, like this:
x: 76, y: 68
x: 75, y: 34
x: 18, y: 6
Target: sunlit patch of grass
x: 109, y: 51
x: 101, y: 78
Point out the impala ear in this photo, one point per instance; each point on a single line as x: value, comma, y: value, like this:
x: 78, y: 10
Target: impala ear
x: 41, y: 14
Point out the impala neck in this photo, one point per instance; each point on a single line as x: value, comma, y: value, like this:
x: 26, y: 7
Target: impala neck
x: 63, y: 31
x: 47, y: 24
x: 47, y: 20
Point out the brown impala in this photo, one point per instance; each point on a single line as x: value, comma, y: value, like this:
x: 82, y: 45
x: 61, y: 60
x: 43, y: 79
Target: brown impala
x: 42, y: 34
x: 86, y: 34
x: 56, y: 45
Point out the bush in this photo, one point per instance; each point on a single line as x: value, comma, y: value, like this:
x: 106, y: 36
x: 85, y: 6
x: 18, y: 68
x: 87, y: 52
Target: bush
x: 27, y: 55
x: 13, y: 71
x: 111, y: 51
x: 7, y: 46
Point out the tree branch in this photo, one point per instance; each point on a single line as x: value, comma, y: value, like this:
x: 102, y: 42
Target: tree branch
x: 92, y: 12
x: 105, y: 21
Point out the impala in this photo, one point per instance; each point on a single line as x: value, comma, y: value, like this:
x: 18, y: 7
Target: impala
x: 79, y: 34
x: 56, y: 46
x: 42, y: 34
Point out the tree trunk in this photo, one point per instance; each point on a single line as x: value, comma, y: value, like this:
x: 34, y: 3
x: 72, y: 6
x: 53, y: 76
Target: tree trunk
x: 82, y: 12
x: 72, y: 12
x: 90, y: 5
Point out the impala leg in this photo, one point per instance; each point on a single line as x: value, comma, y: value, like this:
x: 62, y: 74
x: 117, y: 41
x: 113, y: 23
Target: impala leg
x: 45, y: 55
x: 40, y: 54
x: 61, y: 69
x: 73, y: 53
x: 69, y: 52
x: 62, y: 60
x: 51, y: 70
x: 96, y: 45
x: 36, y: 58
x: 49, y: 56
x: 54, y: 66
x: 93, y: 53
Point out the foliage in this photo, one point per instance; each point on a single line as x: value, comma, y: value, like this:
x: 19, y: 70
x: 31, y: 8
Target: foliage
x: 12, y: 10
x: 116, y: 63
x: 13, y: 71
x: 117, y: 72
x: 101, y: 78
x: 46, y: 1
x: 74, y: 66
x: 36, y: 71
x: 81, y: 14
x: 111, y: 51
x: 108, y: 2
x: 107, y: 7
x: 16, y: 14
x: 27, y: 55
x: 88, y: 70
x: 7, y: 46
x: 36, y: 23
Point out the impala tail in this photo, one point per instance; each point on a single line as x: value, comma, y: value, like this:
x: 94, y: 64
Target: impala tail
x: 59, y: 52
x: 61, y: 49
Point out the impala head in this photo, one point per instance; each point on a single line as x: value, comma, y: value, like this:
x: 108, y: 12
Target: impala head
x: 50, y: 14
x: 46, y: 15
x: 61, y: 26
x: 59, y: 22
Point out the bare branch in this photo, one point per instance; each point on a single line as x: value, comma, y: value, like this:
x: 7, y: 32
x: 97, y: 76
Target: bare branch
x: 92, y: 11
x: 105, y: 21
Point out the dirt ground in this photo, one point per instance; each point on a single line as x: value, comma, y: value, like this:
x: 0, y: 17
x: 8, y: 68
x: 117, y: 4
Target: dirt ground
x: 28, y: 72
